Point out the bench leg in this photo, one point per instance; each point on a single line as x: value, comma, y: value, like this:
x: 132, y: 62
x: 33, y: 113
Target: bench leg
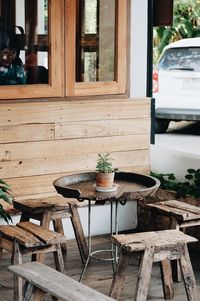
x: 38, y: 294
x: 144, y: 275
x: 188, y: 274
x: 79, y: 234
x: 166, y: 276
x: 18, y: 283
x: 118, y: 280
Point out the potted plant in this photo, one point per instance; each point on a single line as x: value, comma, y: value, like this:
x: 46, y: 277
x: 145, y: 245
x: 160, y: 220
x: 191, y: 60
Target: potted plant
x: 104, y: 171
x: 5, y: 194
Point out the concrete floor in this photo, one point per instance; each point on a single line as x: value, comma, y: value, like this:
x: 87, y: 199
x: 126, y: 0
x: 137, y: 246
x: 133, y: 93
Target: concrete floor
x: 99, y: 274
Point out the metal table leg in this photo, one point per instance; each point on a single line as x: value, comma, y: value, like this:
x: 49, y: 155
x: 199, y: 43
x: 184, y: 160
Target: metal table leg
x: 91, y: 254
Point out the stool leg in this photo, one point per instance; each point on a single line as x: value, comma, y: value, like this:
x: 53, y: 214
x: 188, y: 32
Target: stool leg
x: 18, y: 286
x: 58, y: 257
x: 144, y: 275
x: 58, y: 227
x: 118, y: 280
x: 188, y: 274
x: 166, y: 276
x: 45, y: 223
x: 176, y: 272
x: 79, y: 234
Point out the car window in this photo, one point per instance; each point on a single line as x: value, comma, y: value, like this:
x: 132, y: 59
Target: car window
x: 181, y: 59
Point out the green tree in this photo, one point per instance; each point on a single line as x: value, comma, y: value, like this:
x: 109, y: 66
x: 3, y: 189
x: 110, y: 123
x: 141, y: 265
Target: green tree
x: 186, y: 24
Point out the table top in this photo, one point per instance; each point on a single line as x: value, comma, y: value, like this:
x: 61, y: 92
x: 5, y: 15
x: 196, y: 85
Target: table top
x: 131, y: 186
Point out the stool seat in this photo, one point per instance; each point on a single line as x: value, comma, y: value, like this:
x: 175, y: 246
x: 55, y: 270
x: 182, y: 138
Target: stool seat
x: 184, y: 214
x: 27, y: 238
x: 30, y: 235
x: 158, y: 246
x: 139, y: 241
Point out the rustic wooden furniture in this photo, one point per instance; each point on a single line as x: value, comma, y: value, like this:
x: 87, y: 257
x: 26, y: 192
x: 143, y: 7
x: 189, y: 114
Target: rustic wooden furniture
x: 181, y: 215
x: 131, y: 187
x: 158, y: 246
x: 45, y: 279
x: 54, y: 209
x: 27, y: 238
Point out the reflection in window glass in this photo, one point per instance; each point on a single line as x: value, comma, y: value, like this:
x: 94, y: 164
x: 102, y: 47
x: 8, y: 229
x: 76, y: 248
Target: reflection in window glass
x: 23, y: 42
x: 90, y: 16
x: 95, y: 49
x: 187, y: 58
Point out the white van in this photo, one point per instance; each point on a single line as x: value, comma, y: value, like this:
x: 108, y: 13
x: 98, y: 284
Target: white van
x: 176, y: 83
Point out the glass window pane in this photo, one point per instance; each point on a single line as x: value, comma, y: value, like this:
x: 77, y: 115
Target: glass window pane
x: 95, y: 49
x: 187, y: 58
x: 23, y: 42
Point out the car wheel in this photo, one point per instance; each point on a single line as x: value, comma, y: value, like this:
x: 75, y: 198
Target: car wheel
x: 161, y: 125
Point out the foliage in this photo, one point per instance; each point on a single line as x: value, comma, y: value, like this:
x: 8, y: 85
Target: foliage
x: 5, y: 194
x: 186, y: 24
x: 104, y: 163
x: 191, y: 187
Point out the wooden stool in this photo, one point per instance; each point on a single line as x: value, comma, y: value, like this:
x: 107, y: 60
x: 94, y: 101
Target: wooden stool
x: 158, y: 246
x: 54, y: 209
x: 181, y: 215
x: 27, y: 238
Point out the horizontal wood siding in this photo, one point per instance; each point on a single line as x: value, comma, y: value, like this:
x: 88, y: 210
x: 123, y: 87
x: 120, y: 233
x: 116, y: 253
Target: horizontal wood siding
x: 41, y: 141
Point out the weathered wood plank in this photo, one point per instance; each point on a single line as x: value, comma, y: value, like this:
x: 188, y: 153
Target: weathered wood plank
x: 180, y: 210
x: 102, y: 128
x: 35, y: 185
x: 28, y: 132
x: 48, y: 237
x: 69, y: 163
x: 39, y: 205
x: 60, y: 111
x: 139, y: 241
x: 55, y: 283
x: 23, y: 237
x: 48, y: 149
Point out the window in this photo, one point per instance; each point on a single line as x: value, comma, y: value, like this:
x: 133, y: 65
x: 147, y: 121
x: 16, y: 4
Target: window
x: 62, y: 48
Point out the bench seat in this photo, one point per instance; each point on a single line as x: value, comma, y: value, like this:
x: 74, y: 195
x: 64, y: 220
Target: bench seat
x: 56, y: 284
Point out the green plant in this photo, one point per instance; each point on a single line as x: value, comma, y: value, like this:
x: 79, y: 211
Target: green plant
x: 104, y: 164
x: 190, y: 187
x: 5, y: 194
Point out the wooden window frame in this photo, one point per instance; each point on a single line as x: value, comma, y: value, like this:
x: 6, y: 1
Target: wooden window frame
x: 96, y: 88
x: 55, y: 88
x: 62, y: 27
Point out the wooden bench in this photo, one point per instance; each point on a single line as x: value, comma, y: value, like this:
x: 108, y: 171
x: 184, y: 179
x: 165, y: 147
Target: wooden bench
x: 46, y: 280
x: 158, y: 246
x: 181, y: 216
x: 27, y: 238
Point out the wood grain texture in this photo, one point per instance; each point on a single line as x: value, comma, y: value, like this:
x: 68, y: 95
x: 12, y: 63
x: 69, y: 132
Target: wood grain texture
x: 60, y: 111
x: 56, y: 284
x: 28, y: 132
x: 44, y: 140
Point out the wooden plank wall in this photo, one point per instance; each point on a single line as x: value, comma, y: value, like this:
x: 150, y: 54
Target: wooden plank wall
x: 43, y: 140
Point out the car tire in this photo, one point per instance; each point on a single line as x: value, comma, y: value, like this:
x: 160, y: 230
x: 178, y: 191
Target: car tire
x: 161, y: 125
